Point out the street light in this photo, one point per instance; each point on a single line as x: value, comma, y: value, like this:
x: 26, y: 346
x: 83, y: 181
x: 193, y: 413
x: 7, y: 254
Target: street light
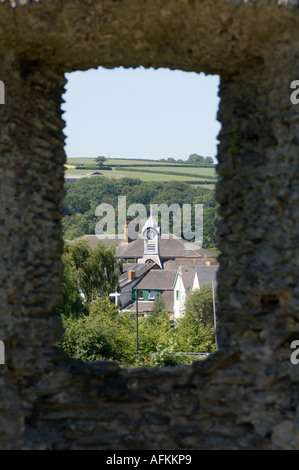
x: 116, y: 295
x: 137, y: 342
x: 214, y: 310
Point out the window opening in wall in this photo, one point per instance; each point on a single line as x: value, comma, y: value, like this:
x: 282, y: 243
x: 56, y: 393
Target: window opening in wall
x: 136, y: 139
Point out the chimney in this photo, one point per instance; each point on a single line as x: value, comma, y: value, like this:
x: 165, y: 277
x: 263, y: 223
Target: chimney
x: 208, y: 263
x: 126, y: 235
x: 133, y: 230
x: 131, y: 275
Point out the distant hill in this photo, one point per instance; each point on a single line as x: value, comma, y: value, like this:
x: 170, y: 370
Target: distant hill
x: 148, y: 170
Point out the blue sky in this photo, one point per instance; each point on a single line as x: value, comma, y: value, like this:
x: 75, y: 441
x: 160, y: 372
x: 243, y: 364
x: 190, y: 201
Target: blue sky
x: 140, y: 113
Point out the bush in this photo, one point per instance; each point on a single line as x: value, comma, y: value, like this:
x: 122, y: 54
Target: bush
x: 193, y: 336
x: 200, y: 303
x: 93, y: 271
x: 103, y: 334
x: 167, y: 355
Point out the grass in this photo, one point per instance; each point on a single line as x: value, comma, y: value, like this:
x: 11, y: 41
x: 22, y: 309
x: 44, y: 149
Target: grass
x: 148, y: 170
x: 122, y: 161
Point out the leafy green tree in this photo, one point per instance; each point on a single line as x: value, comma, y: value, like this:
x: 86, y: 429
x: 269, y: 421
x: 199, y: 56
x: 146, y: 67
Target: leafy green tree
x: 193, y: 336
x: 151, y: 331
x: 189, y: 336
x: 158, y: 313
x: 200, y: 303
x: 77, y: 225
x: 104, y: 334
x: 75, y: 200
x: 211, y: 221
x: 93, y: 272
x: 195, y: 158
x: 209, y: 160
x: 167, y: 354
x: 73, y: 304
x: 100, y: 161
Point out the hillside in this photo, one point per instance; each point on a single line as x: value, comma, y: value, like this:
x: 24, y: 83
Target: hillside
x: 147, y: 170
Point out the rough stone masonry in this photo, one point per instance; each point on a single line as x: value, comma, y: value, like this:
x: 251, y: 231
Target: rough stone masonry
x: 246, y: 395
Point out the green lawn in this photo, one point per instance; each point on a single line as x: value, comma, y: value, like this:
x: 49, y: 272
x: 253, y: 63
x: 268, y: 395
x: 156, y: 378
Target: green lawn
x: 147, y: 170
x: 119, y: 161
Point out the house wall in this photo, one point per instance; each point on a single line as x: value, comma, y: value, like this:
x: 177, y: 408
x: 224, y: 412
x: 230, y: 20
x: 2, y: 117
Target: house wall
x: 195, y: 284
x: 178, y: 305
x: 127, y: 292
x: 126, y: 297
x: 246, y: 395
x: 145, y: 293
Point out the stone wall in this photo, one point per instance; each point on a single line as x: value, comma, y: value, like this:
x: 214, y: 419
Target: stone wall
x: 244, y: 396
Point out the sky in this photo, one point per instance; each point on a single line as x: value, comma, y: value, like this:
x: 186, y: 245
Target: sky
x: 140, y: 113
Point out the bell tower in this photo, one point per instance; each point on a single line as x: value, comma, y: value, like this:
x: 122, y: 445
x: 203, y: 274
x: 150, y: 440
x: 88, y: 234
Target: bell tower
x: 151, y: 236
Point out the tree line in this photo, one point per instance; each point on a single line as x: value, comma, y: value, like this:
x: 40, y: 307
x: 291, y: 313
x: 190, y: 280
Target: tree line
x: 193, y: 158
x: 84, y: 196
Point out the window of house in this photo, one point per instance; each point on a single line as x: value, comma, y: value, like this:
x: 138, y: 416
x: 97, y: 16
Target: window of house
x: 152, y: 295
x: 140, y: 295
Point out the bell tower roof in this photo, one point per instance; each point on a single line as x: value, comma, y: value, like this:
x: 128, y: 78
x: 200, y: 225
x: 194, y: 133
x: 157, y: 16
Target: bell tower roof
x: 151, y: 222
x: 151, y: 235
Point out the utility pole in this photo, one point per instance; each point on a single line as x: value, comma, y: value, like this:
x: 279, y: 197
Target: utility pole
x: 214, y: 310
x: 137, y: 339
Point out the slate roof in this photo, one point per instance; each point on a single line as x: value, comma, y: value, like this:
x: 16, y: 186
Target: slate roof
x: 172, y: 247
x: 187, y: 276
x: 157, y: 280
x: 206, y: 274
x: 187, y: 263
x: 139, y: 270
x: 93, y: 240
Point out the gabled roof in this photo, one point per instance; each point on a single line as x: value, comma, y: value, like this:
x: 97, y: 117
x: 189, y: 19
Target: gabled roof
x: 186, y: 275
x: 171, y: 247
x: 187, y: 263
x: 205, y: 274
x: 157, y: 280
x: 93, y: 240
x: 139, y: 271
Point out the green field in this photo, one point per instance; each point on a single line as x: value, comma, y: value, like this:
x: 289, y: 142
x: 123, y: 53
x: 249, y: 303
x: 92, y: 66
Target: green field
x: 148, y: 170
x: 111, y: 161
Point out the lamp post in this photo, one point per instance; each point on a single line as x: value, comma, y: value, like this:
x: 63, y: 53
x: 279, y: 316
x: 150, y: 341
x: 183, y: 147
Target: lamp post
x: 214, y: 310
x: 137, y: 339
x: 115, y: 295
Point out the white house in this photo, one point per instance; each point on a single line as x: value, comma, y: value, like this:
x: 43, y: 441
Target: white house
x: 187, y: 280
